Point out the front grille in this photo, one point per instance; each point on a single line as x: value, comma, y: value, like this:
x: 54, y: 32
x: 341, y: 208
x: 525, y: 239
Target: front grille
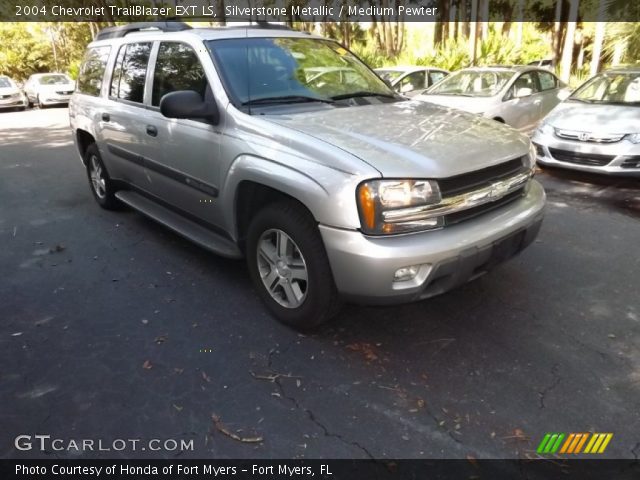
x: 4, y: 97
x: 64, y: 93
x: 588, y: 136
x: 470, y: 213
x: 631, y: 162
x: 468, y: 182
x: 591, y: 159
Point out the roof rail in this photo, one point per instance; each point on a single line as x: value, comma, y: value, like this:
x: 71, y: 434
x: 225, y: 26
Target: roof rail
x: 121, y: 31
x: 268, y: 25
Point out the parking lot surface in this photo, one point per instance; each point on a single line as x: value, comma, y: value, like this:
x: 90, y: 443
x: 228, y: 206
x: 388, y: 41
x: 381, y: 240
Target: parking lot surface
x: 115, y: 328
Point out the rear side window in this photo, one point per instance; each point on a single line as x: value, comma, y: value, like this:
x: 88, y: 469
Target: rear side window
x: 130, y: 72
x: 92, y: 71
x: 177, y: 68
x: 436, y: 76
x: 547, y: 80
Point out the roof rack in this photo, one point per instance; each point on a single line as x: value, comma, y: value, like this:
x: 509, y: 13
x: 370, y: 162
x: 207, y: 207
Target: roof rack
x: 121, y: 31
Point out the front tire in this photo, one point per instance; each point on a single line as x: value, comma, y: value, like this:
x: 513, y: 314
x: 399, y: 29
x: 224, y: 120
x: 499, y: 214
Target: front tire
x: 289, y: 266
x: 101, y: 184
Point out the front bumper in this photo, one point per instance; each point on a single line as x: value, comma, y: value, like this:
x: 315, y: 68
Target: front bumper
x: 54, y: 99
x: 624, y: 155
x: 13, y: 102
x: 363, y: 267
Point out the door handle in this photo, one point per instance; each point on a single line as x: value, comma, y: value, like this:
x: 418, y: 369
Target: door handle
x: 152, y: 131
x: 106, y: 117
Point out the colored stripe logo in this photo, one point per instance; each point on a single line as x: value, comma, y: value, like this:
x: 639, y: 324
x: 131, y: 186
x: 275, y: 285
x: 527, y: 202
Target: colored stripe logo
x: 574, y: 443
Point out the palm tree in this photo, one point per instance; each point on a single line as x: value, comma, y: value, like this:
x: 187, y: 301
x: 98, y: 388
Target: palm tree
x: 569, y: 41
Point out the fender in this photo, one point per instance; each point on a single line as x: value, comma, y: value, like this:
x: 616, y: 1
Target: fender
x: 287, y: 176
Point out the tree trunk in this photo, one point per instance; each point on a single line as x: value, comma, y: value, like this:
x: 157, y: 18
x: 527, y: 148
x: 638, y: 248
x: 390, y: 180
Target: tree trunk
x: 567, y: 50
x: 473, y: 31
x: 485, y: 19
x: 598, y: 40
x: 557, y: 32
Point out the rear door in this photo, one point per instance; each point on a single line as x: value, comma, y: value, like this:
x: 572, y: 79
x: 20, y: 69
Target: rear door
x: 521, y: 108
x: 184, y: 168
x: 123, y: 117
x: 549, y: 90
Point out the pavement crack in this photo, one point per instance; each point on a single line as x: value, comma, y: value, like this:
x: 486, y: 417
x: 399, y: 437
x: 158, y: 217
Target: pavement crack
x: 636, y: 451
x: 556, y: 380
x: 298, y: 406
x: 312, y: 417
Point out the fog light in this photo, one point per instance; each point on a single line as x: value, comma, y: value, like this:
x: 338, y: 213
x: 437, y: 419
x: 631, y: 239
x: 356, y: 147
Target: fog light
x: 406, y: 273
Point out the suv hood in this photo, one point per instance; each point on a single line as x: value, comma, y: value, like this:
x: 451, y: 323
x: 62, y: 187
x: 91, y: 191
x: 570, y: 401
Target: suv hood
x: 595, y: 117
x: 411, y: 138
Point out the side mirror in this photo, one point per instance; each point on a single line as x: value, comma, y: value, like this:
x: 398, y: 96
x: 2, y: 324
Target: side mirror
x: 523, y: 92
x: 188, y: 104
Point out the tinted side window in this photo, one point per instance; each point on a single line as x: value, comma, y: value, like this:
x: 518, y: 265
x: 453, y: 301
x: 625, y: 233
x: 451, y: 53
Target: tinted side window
x: 177, y: 68
x: 436, y: 76
x: 92, y: 71
x: 130, y: 72
x: 547, y: 81
x: 413, y: 81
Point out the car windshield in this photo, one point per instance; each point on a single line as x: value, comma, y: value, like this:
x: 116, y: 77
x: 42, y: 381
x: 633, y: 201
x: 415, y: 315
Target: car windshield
x: 53, y: 80
x: 610, y: 88
x: 5, y: 82
x: 389, y: 75
x: 293, y: 70
x: 472, y: 83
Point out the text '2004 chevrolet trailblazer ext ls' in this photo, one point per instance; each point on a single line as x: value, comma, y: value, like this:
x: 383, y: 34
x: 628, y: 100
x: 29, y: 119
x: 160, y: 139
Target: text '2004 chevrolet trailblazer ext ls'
x: 284, y: 148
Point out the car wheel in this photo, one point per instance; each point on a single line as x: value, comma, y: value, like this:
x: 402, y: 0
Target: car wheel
x: 289, y: 266
x: 101, y: 185
x: 39, y: 104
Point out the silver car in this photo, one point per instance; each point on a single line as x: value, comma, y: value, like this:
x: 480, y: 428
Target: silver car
x: 518, y: 96
x: 47, y: 89
x: 597, y: 129
x: 10, y: 94
x: 344, y: 191
x: 411, y: 81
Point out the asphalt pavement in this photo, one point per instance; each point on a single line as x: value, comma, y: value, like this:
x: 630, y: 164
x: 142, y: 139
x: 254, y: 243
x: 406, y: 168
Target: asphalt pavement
x: 112, y: 327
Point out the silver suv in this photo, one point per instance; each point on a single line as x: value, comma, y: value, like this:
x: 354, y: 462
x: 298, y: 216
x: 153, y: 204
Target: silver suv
x: 331, y: 190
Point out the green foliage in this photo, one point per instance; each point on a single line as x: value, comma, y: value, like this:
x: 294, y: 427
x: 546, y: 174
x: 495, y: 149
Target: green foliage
x: 27, y: 53
x: 451, y: 55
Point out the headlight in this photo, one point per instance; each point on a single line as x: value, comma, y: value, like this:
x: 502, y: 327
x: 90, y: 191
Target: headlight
x: 532, y: 155
x: 546, y: 129
x: 634, y: 137
x: 393, y: 206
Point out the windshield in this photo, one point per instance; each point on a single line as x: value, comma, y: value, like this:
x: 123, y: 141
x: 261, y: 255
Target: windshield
x: 53, y: 80
x: 389, y: 75
x: 612, y: 88
x: 291, y: 70
x: 476, y: 83
x: 5, y: 82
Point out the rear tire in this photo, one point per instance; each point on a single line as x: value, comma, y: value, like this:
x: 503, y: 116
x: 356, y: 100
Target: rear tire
x: 102, y: 186
x: 289, y: 266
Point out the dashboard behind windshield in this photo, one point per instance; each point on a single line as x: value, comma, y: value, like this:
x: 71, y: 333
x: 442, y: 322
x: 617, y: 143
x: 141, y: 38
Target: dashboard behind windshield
x: 472, y: 83
x: 269, y: 68
x: 615, y: 88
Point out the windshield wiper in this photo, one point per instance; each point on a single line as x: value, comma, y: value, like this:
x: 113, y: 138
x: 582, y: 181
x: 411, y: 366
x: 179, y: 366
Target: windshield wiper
x: 361, y: 94
x: 286, y: 99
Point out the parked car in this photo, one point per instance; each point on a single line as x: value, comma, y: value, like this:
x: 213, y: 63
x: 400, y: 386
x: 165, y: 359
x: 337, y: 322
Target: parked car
x: 411, y: 81
x: 545, y: 63
x: 518, y: 96
x: 46, y: 89
x: 352, y: 193
x: 597, y: 129
x: 10, y: 94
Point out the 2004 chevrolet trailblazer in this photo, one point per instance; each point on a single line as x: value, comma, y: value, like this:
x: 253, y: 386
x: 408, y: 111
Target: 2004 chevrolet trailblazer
x: 332, y: 186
